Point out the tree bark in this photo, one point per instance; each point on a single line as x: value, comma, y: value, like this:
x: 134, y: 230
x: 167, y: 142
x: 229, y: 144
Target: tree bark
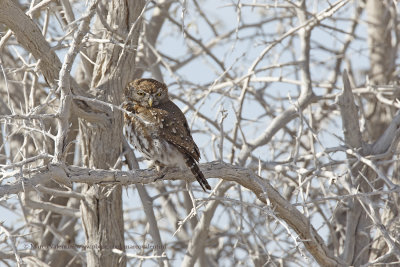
x: 382, y: 53
x: 102, y: 214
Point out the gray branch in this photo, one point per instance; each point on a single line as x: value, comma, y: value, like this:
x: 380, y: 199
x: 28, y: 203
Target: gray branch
x: 243, y: 176
x: 349, y: 113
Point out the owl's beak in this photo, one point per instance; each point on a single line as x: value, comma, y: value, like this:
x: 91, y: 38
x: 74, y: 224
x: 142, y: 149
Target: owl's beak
x: 150, y: 101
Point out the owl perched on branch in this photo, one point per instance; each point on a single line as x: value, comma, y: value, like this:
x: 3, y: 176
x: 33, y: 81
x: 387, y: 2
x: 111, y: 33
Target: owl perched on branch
x: 158, y: 128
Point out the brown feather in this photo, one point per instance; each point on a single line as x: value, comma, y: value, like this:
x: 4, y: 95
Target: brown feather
x: 158, y: 128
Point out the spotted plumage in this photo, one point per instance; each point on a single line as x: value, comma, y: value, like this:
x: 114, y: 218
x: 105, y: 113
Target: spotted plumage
x: 159, y: 129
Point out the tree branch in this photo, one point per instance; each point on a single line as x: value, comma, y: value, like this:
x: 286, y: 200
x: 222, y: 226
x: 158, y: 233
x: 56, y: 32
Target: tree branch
x: 349, y: 113
x: 245, y: 177
x: 30, y: 37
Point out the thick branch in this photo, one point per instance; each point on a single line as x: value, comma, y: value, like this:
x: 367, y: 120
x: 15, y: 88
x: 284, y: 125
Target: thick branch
x: 389, y: 138
x: 30, y: 37
x: 349, y: 113
x: 245, y: 177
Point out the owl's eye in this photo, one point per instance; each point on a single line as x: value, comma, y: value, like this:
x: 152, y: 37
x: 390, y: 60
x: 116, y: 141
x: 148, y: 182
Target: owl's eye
x: 140, y: 93
x: 158, y: 94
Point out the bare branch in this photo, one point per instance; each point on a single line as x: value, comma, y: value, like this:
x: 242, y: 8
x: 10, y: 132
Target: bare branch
x: 349, y: 112
x: 284, y: 210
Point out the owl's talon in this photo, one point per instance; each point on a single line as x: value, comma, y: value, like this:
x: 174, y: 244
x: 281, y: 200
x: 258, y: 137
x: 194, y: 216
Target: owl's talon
x: 159, y: 177
x: 161, y: 172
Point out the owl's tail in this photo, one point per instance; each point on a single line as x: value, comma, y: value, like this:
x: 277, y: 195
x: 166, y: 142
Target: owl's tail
x: 194, y: 168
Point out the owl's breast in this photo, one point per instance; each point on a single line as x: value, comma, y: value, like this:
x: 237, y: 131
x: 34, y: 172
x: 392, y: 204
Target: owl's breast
x: 142, y: 133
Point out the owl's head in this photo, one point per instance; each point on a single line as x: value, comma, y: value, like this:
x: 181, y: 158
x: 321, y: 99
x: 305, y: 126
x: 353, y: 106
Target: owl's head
x: 146, y: 92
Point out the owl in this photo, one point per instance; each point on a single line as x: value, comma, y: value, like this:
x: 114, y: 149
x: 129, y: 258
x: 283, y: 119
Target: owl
x: 158, y: 128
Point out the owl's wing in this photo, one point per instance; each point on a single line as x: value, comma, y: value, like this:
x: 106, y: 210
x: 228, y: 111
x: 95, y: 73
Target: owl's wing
x: 176, y: 130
